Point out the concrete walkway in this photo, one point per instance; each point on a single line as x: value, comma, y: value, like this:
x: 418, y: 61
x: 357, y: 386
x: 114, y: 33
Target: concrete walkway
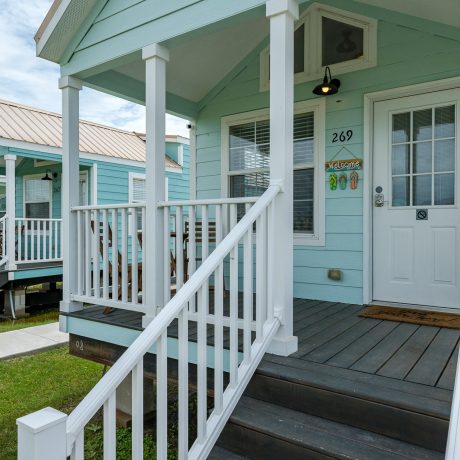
x: 31, y: 340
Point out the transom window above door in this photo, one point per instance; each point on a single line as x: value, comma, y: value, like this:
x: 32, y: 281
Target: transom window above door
x: 247, y: 168
x: 423, y: 144
x: 326, y: 36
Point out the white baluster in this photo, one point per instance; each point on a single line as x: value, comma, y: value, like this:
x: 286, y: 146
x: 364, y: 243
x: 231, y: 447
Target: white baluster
x: 183, y: 385
x: 26, y: 239
x: 32, y: 238
x: 247, y: 296
x: 138, y: 411
x: 88, y: 253
x: 144, y: 272
x: 134, y: 260
x: 18, y: 230
x: 192, y: 251
x: 96, y: 249
x: 124, y: 255
x: 79, y: 252
x: 114, y: 254
x: 261, y: 273
x: 105, y: 255
x: 203, y: 300
x: 218, y: 326
x: 110, y: 428
x: 233, y: 305
x: 78, y: 451
x: 179, y: 249
x: 162, y: 396
x: 57, y: 240
x: 167, y: 253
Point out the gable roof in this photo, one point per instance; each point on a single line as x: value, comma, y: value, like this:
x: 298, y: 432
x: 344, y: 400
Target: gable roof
x: 26, y: 124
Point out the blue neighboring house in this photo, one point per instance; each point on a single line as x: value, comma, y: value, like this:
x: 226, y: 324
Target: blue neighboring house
x: 112, y: 170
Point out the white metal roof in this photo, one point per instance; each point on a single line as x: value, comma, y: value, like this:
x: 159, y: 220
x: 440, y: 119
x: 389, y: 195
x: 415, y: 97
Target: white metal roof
x: 26, y: 124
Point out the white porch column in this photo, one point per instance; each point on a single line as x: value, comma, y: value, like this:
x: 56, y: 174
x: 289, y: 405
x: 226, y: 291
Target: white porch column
x: 156, y: 57
x: 282, y: 14
x: 10, y: 163
x: 70, y: 188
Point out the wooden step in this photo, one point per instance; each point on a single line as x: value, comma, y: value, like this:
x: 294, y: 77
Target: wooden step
x: 260, y: 430
x: 218, y: 453
x: 409, y: 412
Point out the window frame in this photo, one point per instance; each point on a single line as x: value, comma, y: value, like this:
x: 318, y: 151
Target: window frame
x: 314, y: 70
x: 24, y: 202
x: 318, y: 108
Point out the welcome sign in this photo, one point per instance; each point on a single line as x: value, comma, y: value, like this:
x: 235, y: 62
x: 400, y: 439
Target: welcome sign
x: 355, y: 164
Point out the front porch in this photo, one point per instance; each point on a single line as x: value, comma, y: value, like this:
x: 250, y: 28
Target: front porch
x: 395, y: 379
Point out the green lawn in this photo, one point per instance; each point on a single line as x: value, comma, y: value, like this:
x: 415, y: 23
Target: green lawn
x: 43, y: 317
x: 53, y: 378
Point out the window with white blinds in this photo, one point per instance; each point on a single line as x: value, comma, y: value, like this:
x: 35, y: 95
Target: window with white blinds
x: 249, y: 165
x: 37, y: 198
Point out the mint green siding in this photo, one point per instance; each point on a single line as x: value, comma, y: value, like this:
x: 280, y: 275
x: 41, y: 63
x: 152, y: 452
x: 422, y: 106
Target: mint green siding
x: 405, y: 56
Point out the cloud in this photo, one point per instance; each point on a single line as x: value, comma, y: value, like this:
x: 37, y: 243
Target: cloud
x: 29, y: 80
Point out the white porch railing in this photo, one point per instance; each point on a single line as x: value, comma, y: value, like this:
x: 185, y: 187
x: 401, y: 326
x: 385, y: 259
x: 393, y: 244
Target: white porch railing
x: 111, y: 250
x: 38, y: 240
x: 249, y: 330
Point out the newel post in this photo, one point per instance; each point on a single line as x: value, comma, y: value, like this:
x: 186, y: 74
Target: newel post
x: 10, y: 164
x: 156, y: 58
x: 70, y: 188
x: 282, y: 15
x: 42, y: 435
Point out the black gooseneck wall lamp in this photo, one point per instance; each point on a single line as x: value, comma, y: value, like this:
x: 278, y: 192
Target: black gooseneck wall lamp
x: 328, y: 86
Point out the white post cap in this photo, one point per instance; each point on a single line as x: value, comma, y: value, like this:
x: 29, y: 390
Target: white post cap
x: 70, y: 82
x: 277, y: 7
x: 155, y: 50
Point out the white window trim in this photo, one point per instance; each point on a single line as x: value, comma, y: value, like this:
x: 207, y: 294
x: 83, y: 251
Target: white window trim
x: 35, y: 176
x: 318, y: 107
x: 314, y: 69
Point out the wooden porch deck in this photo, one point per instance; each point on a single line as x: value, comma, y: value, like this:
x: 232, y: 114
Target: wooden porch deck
x: 334, y: 335
x: 357, y: 386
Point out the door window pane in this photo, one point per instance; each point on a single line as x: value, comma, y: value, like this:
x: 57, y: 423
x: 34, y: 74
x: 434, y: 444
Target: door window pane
x: 423, y: 122
x: 422, y: 190
x: 444, y: 155
x: 340, y: 41
x: 444, y: 122
x: 401, y: 128
x: 422, y: 162
x: 400, y: 161
x: 444, y: 189
x: 401, y: 191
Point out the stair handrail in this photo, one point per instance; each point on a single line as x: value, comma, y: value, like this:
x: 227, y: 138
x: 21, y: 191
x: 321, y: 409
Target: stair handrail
x: 102, y: 391
x: 453, y: 439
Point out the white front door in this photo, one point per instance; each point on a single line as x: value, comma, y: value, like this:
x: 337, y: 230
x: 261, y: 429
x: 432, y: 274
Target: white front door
x: 416, y: 219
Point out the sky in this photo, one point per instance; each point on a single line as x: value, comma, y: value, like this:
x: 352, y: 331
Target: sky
x: 29, y: 80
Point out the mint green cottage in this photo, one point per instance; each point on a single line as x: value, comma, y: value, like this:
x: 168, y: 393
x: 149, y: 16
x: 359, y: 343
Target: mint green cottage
x: 324, y: 159
x: 112, y: 169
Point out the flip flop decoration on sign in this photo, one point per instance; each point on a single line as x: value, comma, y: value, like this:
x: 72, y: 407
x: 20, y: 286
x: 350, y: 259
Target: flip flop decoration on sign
x: 343, y: 181
x: 333, y: 181
x: 354, y: 178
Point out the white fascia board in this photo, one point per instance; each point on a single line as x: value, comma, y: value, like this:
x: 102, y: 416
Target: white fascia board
x: 177, y: 140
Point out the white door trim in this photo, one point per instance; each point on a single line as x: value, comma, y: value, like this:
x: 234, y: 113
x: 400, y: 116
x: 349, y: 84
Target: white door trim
x: 369, y: 100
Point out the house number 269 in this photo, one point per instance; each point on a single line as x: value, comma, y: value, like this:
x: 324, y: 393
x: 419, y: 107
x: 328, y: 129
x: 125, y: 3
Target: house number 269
x: 342, y: 136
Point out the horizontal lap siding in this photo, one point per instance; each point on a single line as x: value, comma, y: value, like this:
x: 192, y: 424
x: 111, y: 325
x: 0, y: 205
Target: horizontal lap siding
x: 405, y: 56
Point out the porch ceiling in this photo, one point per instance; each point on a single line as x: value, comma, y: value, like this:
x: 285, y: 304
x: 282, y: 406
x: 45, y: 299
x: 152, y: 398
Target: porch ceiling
x: 197, y: 65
